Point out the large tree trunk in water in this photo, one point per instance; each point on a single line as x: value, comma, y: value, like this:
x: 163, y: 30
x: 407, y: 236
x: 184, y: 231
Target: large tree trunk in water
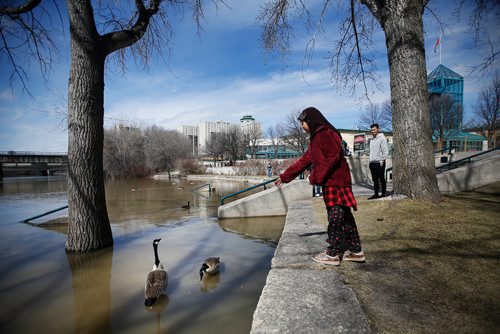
x: 414, y: 171
x: 89, y: 227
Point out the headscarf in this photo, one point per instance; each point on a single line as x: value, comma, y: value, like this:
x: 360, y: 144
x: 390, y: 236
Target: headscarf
x: 315, y: 119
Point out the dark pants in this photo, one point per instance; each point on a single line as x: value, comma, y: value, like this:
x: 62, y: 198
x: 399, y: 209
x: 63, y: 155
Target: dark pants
x: 342, y: 231
x: 378, y: 176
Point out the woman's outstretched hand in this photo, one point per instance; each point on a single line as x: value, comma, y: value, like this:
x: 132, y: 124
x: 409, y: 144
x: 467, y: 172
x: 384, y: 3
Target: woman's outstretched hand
x: 278, y: 182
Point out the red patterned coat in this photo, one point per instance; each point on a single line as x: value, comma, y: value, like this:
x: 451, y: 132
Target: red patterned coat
x: 325, y: 155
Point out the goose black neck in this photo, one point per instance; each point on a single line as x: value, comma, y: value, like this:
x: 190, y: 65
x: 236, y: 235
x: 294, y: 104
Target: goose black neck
x: 157, y: 259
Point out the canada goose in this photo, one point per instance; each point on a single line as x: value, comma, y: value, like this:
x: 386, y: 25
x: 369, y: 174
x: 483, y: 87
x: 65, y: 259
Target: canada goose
x: 210, y: 266
x: 133, y: 189
x: 186, y: 206
x: 157, y: 281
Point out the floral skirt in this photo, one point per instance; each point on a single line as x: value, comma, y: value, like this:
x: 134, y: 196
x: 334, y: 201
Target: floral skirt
x: 342, y: 231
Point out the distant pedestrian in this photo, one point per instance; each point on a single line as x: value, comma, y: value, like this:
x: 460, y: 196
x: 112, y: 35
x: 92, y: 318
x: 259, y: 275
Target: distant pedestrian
x: 317, y: 191
x: 331, y: 171
x: 269, y: 170
x: 378, y: 154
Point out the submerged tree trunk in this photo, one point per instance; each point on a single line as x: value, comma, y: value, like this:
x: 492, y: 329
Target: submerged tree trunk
x: 89, y: 227
x: 414, y: 171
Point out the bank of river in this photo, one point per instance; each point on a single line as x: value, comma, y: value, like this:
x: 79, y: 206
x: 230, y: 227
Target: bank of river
x: 253, y: 179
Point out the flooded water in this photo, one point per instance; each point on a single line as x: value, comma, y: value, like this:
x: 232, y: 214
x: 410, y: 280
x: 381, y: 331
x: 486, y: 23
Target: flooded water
x: 45, y: 290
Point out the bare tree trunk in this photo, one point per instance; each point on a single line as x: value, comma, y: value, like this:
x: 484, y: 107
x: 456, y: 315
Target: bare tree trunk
x: 414, y: 169
x: 89, y: 227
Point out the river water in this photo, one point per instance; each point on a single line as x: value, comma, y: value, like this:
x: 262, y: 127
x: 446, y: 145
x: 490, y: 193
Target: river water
x: 45, y: 290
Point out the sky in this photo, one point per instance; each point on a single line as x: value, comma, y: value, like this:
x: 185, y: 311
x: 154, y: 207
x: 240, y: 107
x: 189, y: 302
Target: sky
x: 224, y: 74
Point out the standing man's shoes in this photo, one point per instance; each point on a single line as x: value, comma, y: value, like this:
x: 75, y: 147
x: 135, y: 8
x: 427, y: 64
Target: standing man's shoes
x: 374, y: 196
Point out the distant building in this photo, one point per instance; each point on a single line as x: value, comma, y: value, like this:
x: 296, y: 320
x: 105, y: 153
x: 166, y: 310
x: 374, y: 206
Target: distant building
x: 461, y: 141
x: 202, y: 133
x: 442, y: 81
x: 266, y: 150
x: 248, y: 124
x: 208, y: 130
x: 190, y: 131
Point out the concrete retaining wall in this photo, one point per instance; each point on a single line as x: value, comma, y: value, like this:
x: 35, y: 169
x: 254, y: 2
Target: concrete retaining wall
x: 360, y: 170
x: 470, y: 176
x: 270, y: 202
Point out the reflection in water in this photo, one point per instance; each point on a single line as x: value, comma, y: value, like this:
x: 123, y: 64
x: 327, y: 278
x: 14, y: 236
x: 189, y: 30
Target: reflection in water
x: 91, y: 276
x: 59, y: 225
x: 158, y: 309
x: 209, y: 282
x: 268, y: 228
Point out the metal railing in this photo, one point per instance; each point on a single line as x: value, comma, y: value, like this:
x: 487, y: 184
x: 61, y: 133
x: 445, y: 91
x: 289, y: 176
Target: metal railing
x: 453, y: 164
x: 463, y: 161
x: 205, y: 185
x: 43, y: 214
x: 449, y: 149
x: 247, y: 189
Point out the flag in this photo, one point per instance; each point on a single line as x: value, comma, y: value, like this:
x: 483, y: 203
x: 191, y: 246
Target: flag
x: 438, y: 42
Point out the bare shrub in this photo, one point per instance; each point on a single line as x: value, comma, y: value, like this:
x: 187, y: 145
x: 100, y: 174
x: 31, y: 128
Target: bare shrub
x: 191, y: 166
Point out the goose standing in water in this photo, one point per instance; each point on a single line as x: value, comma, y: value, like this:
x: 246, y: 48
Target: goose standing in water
x: 210, y: 266
x: 157, y: 281
x: 186, y: 206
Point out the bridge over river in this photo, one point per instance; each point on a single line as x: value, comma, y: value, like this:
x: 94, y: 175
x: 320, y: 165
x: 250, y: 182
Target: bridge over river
x: 24, y: 163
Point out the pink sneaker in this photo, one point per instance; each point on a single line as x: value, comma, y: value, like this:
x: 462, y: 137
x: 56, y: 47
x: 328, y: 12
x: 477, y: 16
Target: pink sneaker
x: 324, y: 258
x: 354, y: 257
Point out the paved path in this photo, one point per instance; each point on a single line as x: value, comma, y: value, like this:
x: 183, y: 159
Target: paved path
x: 301, y: 296
x: 365, y: 189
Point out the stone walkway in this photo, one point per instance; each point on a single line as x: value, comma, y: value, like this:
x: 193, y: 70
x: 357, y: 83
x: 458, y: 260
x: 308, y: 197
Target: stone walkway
x: 301, y: 296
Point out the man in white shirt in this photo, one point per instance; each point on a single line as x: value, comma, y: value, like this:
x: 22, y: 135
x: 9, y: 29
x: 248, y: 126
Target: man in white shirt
x: 378, y: 154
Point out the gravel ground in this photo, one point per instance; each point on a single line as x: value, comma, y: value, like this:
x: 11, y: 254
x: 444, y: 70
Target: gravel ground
x: 430, y: 268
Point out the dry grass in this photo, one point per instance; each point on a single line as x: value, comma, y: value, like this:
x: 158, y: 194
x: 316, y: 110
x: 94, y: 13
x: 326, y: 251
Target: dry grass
x: 430, y: 268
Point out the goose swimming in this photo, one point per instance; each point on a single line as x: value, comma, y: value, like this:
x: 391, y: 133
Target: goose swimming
x: 210, y: 266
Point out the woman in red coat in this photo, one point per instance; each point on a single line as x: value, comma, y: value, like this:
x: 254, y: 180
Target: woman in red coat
x: 331, y: 171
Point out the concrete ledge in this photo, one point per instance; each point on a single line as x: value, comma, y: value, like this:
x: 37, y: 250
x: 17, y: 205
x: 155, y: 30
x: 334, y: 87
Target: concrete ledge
x: 471, y: 176
x: 270, y: 202
x: 301, y: 296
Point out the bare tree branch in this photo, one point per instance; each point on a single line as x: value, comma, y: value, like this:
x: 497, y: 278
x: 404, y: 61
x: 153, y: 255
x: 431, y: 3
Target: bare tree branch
x: 25, y: 38
x: 24, y: 8
x: 486, y: 114
x: 485, y: 15
x: 123, y: 38
x: 376, y: 113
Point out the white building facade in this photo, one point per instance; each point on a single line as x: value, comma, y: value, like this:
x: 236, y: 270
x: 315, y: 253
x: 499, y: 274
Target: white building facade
x: 202, y: 133
x: 206, y: 131
x: 190, y: 131
x: 249, y: 125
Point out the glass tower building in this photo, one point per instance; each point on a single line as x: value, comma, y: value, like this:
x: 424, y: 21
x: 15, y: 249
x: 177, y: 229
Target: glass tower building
x: 441, y: 81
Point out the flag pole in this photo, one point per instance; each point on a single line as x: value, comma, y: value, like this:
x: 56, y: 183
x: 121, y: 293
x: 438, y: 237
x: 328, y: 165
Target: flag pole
x: 440, y: 43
